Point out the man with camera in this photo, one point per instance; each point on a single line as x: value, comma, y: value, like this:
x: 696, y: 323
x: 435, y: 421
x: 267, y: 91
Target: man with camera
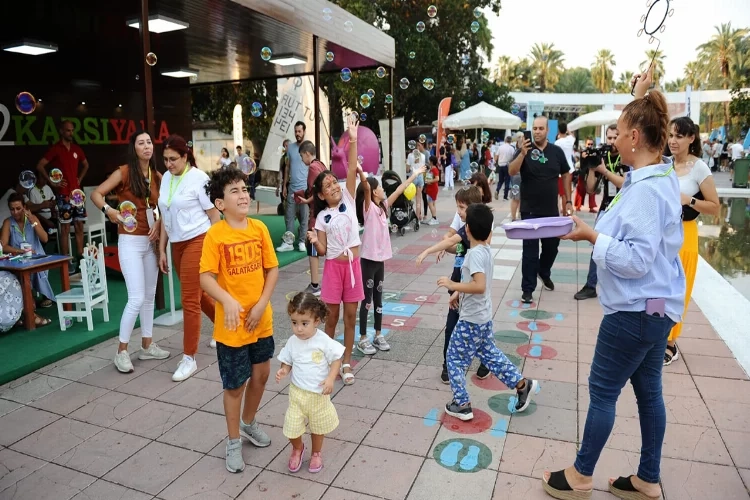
x: 540, y: 164
x: 589, y: 160
x: 610, y: 174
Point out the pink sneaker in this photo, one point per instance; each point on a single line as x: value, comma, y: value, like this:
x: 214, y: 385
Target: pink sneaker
x: 316, y: 462
x: 295, y: 460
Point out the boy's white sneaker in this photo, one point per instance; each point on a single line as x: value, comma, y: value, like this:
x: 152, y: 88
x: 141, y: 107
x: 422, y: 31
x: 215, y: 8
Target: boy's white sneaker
x: 185, y: 369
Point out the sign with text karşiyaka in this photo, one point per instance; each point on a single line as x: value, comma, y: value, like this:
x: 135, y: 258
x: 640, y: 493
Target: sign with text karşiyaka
x: 33, y: 130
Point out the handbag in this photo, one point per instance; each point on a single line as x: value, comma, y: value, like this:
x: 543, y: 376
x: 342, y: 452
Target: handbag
x: 688, y: 212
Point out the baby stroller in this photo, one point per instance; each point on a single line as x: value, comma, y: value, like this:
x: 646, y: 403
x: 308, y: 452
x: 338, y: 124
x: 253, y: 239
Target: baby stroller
x: 402, y: 211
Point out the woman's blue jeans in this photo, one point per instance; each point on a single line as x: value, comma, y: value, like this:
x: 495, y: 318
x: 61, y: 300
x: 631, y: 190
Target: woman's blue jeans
x: 631, y: 346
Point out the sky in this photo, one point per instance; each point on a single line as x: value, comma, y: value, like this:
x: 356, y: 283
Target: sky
x: 581, y: 27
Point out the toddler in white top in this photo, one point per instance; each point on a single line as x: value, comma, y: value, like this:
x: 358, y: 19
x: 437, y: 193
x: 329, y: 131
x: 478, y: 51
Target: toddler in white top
x: 314, y: 359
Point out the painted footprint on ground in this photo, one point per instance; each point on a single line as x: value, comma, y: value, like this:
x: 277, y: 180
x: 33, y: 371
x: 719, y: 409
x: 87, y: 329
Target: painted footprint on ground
x: 463, y: 455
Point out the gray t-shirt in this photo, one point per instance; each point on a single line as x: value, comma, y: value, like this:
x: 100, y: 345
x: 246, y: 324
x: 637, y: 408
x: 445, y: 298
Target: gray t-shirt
x: 477, y: 307
x: 298, y: 169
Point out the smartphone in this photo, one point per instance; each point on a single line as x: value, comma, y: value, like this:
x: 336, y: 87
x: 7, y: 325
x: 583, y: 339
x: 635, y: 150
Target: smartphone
x: 655, y: 307
x: 527, y: 135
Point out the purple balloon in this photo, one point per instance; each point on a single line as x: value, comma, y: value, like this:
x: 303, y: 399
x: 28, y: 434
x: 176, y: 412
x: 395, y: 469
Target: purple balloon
x: 367, y: 148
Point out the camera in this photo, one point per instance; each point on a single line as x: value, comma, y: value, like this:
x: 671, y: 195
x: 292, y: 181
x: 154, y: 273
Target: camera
x: 594, y: 156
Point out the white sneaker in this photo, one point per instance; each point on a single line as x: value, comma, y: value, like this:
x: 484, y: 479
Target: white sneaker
x: 301, y: 247
x: 123, y: 363
x: 285, y: 247
x: 153, y: 352
x: 187, y: 367
x: 212, y: 344
x: 433, y: 222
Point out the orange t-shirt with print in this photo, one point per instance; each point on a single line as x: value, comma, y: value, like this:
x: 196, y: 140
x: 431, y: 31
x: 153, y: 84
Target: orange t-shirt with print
x: 239, y: 258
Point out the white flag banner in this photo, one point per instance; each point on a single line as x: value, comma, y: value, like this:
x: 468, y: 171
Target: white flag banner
x: 296, y: 103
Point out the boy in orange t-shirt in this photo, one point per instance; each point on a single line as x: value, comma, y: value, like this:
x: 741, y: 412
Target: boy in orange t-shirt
x: 239, y: 270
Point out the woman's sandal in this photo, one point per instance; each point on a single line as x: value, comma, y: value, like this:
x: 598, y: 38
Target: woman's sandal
x: 623, y: 488
x: 46, y: 303
x: 347, y: 378
x: 40, y: 321
x: 558, y: 487
x: 672, y: 355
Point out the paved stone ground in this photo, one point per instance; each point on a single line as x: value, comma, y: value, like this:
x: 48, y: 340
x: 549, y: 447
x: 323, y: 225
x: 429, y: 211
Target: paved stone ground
x: 78, y: 429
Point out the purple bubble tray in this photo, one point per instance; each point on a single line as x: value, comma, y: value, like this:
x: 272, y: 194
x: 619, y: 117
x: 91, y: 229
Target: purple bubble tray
x: 543, y: 227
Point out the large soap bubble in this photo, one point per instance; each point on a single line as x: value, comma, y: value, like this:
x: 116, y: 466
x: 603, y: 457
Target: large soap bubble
x: 25, y: 103
x: 420, y: 27
x: 265, y: 53
x: 404, y: 83
x: 27, y: 179
x: 428, y: 83
x: 346, y: 75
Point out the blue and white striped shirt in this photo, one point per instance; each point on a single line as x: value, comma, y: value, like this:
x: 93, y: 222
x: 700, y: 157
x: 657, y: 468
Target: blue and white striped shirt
x: 637, y: 250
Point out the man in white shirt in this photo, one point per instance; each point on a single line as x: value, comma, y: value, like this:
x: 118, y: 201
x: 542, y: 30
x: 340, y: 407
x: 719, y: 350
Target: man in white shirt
x: 566, y: 142
x: 716, y: 152
x: 735, y: 153
x: 40, y: 202
x: 503, y: 157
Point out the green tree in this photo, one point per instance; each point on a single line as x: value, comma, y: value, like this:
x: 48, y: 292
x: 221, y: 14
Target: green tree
x: 678, y: 85
x: 601, y: 71
x: 575, y: 81
x: 516, y: 75
x: 740, y: 109
x: 546, y: 64
x: 623, y: 85
x: 657, y: 56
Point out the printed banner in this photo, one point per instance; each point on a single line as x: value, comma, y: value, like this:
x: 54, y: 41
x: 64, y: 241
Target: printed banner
x: 443, y: 109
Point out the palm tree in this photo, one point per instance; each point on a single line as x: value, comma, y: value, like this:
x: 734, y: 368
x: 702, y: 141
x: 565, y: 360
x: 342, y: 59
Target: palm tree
x: 547, y: 64
x: 601, y: 70
x: 623, y: 84
x: 678, y: 85
x: 695, y: 75
x: 658, y: 57
x: 575, y: 81
x: 718, y: 55
x: 513, y: 74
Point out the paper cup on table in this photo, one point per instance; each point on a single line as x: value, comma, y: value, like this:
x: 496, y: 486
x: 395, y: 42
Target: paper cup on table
x: 26, y: 247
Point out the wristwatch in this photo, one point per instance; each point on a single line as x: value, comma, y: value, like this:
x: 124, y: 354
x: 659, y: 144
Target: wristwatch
x: 692, y: 202
x: 35, y: 224
x: 569, y: 202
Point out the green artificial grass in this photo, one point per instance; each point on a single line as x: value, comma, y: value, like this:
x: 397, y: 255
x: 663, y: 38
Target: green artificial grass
x: 23, y: 351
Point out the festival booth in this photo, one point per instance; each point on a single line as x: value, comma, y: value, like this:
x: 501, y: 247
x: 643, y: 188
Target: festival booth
x: 481, y: 116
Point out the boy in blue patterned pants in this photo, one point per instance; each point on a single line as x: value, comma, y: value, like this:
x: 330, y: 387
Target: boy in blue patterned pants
x: 473, y: 334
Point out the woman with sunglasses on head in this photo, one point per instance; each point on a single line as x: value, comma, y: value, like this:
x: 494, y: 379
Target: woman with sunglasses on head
x: 187, y: 213
x: 636, y: 245
x: 698, y: 196
x: 138, y: 183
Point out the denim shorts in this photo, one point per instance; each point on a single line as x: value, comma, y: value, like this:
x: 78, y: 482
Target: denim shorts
x: 236, y: 363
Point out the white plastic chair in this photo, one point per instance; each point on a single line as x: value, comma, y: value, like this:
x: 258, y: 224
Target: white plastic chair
x: 95, y: 225
x: 92, y: 294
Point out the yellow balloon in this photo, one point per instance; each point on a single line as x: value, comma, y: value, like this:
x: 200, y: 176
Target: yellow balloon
x: 410, y: 191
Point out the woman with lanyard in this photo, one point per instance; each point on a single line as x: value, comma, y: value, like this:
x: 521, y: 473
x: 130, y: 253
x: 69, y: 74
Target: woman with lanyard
x: 698, y: 195
x: 187, y: 213
x: 138, y: 226
x: 636, y: 246
x: 20, y: 232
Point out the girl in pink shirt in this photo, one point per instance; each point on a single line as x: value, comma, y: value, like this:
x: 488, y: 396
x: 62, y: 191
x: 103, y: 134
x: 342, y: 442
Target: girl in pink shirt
x: 372, y: 206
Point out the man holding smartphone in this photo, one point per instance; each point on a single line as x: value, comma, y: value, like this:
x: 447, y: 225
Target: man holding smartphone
x: 540, y: 164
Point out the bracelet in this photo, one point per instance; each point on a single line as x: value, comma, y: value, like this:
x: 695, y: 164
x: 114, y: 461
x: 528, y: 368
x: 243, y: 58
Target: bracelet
x: 105, y: 207
x: 568, y: 202
x: 351, y: 141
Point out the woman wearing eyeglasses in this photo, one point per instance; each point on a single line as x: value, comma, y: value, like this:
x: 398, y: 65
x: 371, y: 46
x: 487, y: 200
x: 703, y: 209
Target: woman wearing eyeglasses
x: 636, y: 248
x: 187, y: 213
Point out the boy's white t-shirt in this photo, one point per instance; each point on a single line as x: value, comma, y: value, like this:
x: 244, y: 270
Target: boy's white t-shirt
x: 185, y: 217
x: 340, y: 225
x: 457, y: 223
x: 310, y: 359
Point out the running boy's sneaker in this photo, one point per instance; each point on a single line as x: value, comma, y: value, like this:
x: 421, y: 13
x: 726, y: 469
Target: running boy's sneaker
x: 460, y: 412
x: 255, y: 434
x: 483, y: 372
x: 524, y: 395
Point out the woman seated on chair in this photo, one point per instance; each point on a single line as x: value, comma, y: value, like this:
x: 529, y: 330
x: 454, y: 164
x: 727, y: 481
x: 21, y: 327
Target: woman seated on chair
x: 21, y: 228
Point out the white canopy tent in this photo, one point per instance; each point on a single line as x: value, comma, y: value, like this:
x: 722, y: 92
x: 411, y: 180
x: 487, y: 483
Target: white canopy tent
x: 600, y: 117
x: 482, y: 115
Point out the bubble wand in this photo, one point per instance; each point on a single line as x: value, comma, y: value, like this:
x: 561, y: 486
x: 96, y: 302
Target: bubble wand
x: 650, y: 29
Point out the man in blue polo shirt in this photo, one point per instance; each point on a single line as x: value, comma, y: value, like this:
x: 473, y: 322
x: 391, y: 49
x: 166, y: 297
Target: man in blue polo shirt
x: 540, y: 164
x: 297, y: 181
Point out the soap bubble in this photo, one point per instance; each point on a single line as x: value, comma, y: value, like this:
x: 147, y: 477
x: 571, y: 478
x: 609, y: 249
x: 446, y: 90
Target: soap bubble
x: 404, y: 83
x: 394, y: 228
x: 77, y: 198
x: 431, y: 11
x: 55, y: 176
x: 477, y: 12
x: 362, y: 117
x: 327, y: 15
x: 128, y: 209
x: 329, y: 56
x: 388, y: 98
x: 412, y: 144
x: 129, y: 223
x: 25, y: 103
x: 474, y: 26
x: 346, y: 74
x: 480, y: 93
x: 361, y: 159
x: 412, y: 54
x: 395, y: 249
x: 485, y: 136
x: 288, y: 237
x: 256, y: 109
x: 474, y: 167
x: 420, y: 27
x: 515, y: 189
x: 151, y: 59
x: 265, y: 53
x: 451, y: 139
x: 428, y: 83
x: 364, y: 100
x: 461, y: 105
x: 515, y: 108
x: 422, y: 138
x: 348, y: 26
x: 371, y: 93
x: 465, y: 59
x: 27, y: 179
x: 380, y: 72
x: 434, y: 234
